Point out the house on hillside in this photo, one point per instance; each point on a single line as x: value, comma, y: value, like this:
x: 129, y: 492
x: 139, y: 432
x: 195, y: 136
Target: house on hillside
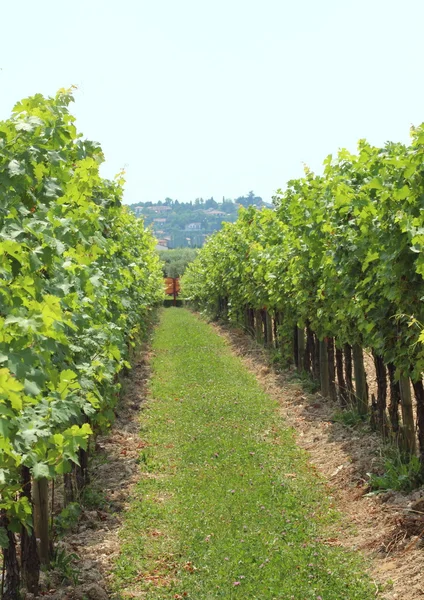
x: 216, y: 213
x: 160, y: 208
x: 193, y: 226
x: 159, y: 220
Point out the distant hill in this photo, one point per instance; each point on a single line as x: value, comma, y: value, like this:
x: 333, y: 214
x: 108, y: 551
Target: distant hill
x: 187, y: 224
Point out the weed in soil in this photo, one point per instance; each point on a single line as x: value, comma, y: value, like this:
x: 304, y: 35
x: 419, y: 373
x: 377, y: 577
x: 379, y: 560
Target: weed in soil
x: 400, y: 472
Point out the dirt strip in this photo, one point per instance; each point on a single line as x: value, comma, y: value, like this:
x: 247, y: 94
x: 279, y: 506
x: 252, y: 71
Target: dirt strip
x: 388, y: 528
x: 114, y: 470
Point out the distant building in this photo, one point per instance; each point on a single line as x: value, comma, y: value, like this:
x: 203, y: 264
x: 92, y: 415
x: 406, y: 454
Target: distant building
x: 160, y: 247
x: 193, y: 226
x: 217, y: 213
x: 159, y: 220
x: 160, y: 208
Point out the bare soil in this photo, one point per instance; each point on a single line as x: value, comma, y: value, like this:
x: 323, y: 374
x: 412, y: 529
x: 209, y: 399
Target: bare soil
x: 114, y: 470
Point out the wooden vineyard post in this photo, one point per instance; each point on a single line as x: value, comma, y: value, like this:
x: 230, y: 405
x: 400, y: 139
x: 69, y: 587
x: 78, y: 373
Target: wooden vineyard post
x: 394, y: 400
x: 296, y: 347
x: 407, y: 414
x: 419, y: 397
x: 331, y: 369
x: 347, y: 348
x: 246, y: 318
x: 381, y: 374
x: 300, y: 349
x: 361, y: 391
x: 323, y: 368
x: 252, y: 321
x: 68, y: 489
x: 276, y: 322
x: 340, y: 378
x: 258, y: 326
x: 264, y: 327
x: 315, y: 358
x: 309, y: 350
x: 10, y: 577
x: 41, y: 518
x: 269, y: 329
x: 30, y: 562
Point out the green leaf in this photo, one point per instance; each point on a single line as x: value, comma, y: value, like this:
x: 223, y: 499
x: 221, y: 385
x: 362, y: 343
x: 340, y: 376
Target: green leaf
x: 31, y: 388
x: 40, y: 471
x: 4, y: 428
x: 402, y: 193
x: 375, y: 184
x: 16, y: 168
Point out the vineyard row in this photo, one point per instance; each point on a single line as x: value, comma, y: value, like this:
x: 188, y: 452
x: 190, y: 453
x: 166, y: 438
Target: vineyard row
x: 336, y: 269
x: 78, y: 277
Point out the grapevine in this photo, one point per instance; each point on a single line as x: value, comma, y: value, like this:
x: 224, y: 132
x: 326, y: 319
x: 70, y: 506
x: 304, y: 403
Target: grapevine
x: 78, y: 277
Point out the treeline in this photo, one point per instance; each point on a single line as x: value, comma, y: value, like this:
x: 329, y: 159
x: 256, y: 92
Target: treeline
x: 175, y: 262
x: 229, y: 205
x: 79, y: 276
x: 335, y: 269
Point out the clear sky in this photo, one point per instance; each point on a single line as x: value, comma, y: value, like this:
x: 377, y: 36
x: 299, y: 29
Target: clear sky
x: 219, y: 97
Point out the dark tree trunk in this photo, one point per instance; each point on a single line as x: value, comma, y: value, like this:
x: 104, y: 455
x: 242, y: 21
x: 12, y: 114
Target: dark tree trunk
x: 419, y: 396
x: 381, y: 401
x: 68, y: 488
x: 349, y: 374
x: 343, y: 394
x: 361, y: 388
x: 30, y: 562
x: 394, y: 399
x: 12, y: 579
x: 331, y: 369
x: 81, y: 470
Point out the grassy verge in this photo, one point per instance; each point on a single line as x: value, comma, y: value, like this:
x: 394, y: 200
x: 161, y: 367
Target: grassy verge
x: 227, y: 506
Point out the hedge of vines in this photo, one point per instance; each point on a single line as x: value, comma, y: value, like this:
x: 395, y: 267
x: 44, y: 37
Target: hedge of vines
x: 78, y: 277
x: 337, y: 268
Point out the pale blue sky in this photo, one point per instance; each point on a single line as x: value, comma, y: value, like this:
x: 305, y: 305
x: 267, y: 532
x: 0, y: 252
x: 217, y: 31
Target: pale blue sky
x: 212, y: 98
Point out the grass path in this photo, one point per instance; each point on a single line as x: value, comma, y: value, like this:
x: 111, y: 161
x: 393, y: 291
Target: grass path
x: 227, y: 506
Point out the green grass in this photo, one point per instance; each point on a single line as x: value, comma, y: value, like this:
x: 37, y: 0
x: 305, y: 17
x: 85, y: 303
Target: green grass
x: 227, y: 506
